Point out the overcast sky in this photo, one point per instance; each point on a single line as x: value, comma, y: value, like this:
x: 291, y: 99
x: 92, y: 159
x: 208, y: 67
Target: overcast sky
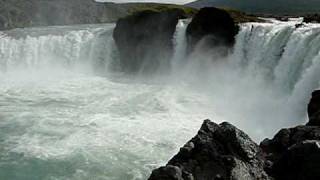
x: 162, y: 1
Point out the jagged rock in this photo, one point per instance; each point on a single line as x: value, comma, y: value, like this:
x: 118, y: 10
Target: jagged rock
x: 216, y: 152
x: 276, y: 148
x: 288, y: 137
x: 215, y: 24
x: 314, y: 109
x: 300, y: 162
x: 144, y: 39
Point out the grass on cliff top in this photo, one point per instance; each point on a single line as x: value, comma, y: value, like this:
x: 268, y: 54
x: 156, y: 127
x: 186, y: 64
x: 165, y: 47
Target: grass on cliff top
x: 238, y: 16
x: 242, y: 17
x: 137, y: 7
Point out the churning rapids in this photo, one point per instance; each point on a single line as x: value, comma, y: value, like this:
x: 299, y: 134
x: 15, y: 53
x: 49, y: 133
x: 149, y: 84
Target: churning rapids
x: 66, y: 112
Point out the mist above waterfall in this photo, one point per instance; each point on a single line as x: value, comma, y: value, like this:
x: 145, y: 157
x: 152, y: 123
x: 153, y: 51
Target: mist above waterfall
x: 65, y: 105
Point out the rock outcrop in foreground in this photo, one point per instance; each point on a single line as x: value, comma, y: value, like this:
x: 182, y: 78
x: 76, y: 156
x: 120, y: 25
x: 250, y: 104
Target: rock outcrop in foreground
x: 293, y: 154
x: 225, y: 152
x: 216, y: 152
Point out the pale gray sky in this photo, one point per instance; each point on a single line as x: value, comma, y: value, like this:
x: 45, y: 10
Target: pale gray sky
x: 162, y: 1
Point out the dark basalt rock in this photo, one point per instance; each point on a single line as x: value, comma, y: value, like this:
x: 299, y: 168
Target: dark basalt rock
x: 314, y: 109
x: 216, y: 152
x: 215, y: 24
x: 144, y: 39
x: 299, y: 162
x: 312, y: 18
x: 286, y: 138
x: 299, y: 25
x: 167, y: 173
x: 294, y: 153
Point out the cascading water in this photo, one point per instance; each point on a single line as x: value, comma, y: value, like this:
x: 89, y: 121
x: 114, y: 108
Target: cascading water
x: 180, y: 44
x: 285, y: 57
x: 60, y: 119
x: 65, y: 47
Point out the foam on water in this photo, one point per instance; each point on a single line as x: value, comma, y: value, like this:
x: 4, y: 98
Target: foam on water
x: 83, y: 126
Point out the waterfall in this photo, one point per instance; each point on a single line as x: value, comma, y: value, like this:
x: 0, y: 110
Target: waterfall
x: 285, y: 56
x: 180, y: 44
x: 278, y: 55
x: 272, y: 69
x: 81, y: 125
x: 80, y: 47
x: 279, y: 52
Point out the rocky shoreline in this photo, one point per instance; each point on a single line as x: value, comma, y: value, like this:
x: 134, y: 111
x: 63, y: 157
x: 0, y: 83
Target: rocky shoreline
x: 221, y: 151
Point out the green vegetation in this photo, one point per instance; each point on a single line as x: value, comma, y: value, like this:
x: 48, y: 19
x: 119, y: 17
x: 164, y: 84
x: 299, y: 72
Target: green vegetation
x: 241, y: 17
x: 136, y: 7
